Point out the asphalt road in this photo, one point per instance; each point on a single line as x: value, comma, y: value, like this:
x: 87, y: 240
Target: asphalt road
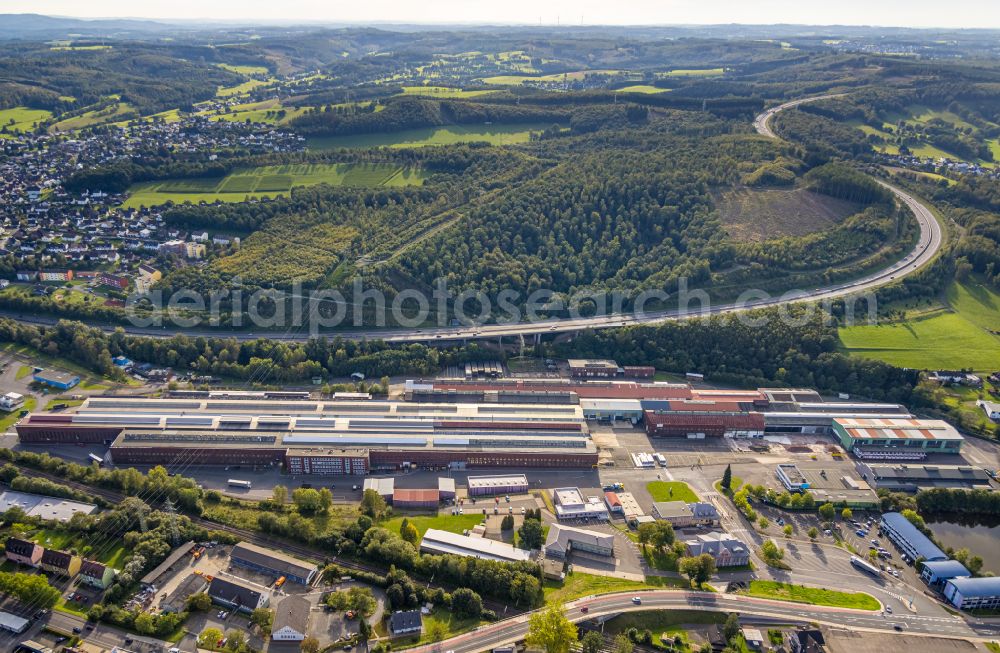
x: 515, y: 629
x: 928, y: 245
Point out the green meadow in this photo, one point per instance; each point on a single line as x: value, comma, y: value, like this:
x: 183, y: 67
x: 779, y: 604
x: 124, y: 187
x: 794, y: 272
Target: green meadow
x: 21, y: 119
x: 953, y: 335
x: 492, y: 134
x: 269, y: 181
x: 443, y: 91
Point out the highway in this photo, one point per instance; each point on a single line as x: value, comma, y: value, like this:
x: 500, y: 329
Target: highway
x: 512, y: 630
x: 929, y: 243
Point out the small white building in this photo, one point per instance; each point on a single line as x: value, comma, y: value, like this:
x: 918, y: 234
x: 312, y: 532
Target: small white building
x: 991, y: 408
x: 10, y: 401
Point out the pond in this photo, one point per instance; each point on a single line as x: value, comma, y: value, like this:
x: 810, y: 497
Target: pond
x: 980, y: 536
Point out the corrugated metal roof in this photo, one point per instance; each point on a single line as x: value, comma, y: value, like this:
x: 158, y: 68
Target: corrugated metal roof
x: 920, y: 542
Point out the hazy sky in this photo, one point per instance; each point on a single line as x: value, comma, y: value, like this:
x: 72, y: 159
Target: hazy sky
x: 915, y: 13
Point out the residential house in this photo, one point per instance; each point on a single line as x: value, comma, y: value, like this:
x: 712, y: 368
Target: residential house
x: 808, y: 640
x: 60, y: 562
x: 405, y: 622
x: 55, y: 275
x: 23, y: 552
x: 96, y: 574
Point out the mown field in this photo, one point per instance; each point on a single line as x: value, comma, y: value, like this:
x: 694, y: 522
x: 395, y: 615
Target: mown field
x: 510, y: 80
x: 443, y: 91
x: 493, y: 134
x: 642, y: 88
x: 767, y: 589
x: 116, y: 111
x: 956, y: 334
x: 758, y: 215
x: 21, y: 119
x: 269, y: 181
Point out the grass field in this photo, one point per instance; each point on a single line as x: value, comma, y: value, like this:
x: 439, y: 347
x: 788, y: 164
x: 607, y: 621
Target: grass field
x: 244, y: 70
x: 267, y: 111
x: 953, y: 336
x: 642, y: 88
x: 240, y: 89
x: 768, y: 589
x: 21, y: 119
x: 663, y: 622
x: 513, y: 80
x: 694, y: 72
x: 578, y: 585
x: 112, y: 113
x: 671, y: 491
x: 269, y: 181
x: 493, y: 134
x: 444, y: 91
x: 63, y: 48
x: 758, y: 215
x: 450, y: 523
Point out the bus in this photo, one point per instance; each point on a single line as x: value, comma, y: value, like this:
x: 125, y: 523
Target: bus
x: 865, y: 567
x: 660, y: 459
x: 97, y: 459
x: 235, y: 482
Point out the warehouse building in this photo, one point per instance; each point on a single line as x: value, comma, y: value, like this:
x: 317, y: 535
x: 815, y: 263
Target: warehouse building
x: 56, y: 379
x: 791, y: 478
x: 406, y: 499
x: 178, y: 555
x: 562, y: 540
x: 323, y: 437
x: 973, y: 593
x: 909, y: 539
x: 938, y: 572
x: 236, y: 596
x: 291, y: 619
x: 911, y: 478
x: 900, y: 438
x: 702, y: 418
x: 253, y: 557
x: 686, y: 515
x: 482, y: 486
x: 570, y: 504
x: 383, y: 486
x: 440, y: 542
x: 582, y: 389
x: 612, y: 410
x: 446, y: 488
x: 48, y: 508
x: 587, y: 368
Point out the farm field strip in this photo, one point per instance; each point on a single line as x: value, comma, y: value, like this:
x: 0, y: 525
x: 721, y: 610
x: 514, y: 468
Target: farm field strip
x: 267, y: 181
x: 507, y: 134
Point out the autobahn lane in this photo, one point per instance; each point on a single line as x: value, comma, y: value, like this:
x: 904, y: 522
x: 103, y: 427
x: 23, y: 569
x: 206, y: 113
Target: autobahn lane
x: 515, y: 629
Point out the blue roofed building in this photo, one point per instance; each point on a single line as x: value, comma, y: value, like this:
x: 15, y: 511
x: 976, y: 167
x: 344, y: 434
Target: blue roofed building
x: 973, y: 593
x: 54, y: 379
x: 909, y: 539
x: 937, y: 573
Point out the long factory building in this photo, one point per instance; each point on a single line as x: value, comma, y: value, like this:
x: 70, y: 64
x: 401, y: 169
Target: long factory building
x: 332, y: 437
